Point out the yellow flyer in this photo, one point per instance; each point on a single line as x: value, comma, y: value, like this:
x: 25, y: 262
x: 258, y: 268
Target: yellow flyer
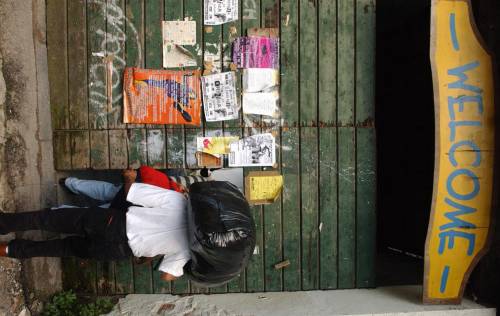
x: 215, y: 145
x: 263, y: 187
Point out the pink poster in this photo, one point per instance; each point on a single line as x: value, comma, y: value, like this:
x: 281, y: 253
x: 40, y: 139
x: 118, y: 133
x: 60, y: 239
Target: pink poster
x: 256, y: 52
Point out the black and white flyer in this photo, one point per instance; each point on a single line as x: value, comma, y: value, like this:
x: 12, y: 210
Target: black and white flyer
x: 217, y: 12
x: 253, y: 151
x: 219, y: 97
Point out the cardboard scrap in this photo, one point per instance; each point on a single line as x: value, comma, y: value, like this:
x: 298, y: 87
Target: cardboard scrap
x: 161, y: 96
x: 263, y: 187
x: 175, y: 35
x: 218, y: 12
x: 267, y: 32
x: 208, y: 160
x: 282, y: 265
x: 215, y: 145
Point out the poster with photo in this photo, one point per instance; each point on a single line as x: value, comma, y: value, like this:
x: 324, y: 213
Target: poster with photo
x: 217, y: 12
x: 253, y: 151
x: 219, y: 97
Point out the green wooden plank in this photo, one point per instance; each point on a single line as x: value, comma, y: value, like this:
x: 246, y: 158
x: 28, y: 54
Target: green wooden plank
x: 195, y: 289
x: 365, y: 62
x: 99, y: 150
x: 105, y: 277
x: 272, y: 231
x: 191, y: 137
x: 69, y: 273
x: 160, y: 286
x: 193, y: 11
x: 174, y: 10
x: 137, y: 148
x: 156, y: 148
x: 134, y: 43
x: 238, y: 283
x: 180, y: 286
x: 153, y: 41
x: 80, y: 150
x: 116, y: 28
x: 86, y: 277
x: 96, y: 37
x: 328, y: 207
x: 346, y: 73
x: 62, y: 156
x: 175, y: 148
x: 58, y: 62
x: 365, y: 142
x: 327, y: 61
x: 255, y: 269
x: 143, y: 278
x: 346, y: 207
x: 124, y: 282
x: 270, y: 14
x: 365, y: 208
x: 118, y: 153
x: 310, y: 217
x: 291, y: 209
x: 212, y: 57
x: 77, y: 60
x: 289, y: 63
x: 308, y: 63
x: 231, y: 31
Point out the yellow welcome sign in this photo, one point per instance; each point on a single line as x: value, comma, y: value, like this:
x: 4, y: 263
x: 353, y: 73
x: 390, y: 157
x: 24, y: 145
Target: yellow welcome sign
x: 463, y: 178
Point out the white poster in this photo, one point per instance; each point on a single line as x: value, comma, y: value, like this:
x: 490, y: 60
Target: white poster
x: 219, y: 97
x: 256, y: 150
x: 176, y: 35
x: 260, y: 79
x: 218, y: 12
x: 264, y: 103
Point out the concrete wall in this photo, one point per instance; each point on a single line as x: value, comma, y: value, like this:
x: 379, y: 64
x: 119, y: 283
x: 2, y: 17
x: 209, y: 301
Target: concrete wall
x: 26, y: 160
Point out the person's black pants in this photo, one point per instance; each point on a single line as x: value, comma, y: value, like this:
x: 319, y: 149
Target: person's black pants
x: 101, y: 233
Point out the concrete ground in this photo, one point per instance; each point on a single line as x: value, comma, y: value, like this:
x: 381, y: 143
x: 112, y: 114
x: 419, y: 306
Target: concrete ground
x: 401, y: 300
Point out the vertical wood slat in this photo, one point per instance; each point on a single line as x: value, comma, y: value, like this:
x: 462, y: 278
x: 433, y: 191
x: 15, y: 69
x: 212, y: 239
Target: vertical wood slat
x: 289, y: 63
x: 58, y: 62
x: 96, y: 52
x: 328, y: 207
x: 347, y: 211
x: 137, y: 147
x: 77, y: 65
x: 116, y: 25
x: 272, y: 231
x: 308, y: 63
x: 124, y: 283
x: 156, y: 148
x: 105, y: 277
x: 62, y: 152
x: 99, y: 149
x: 80, y: 150
x: 365, y: 143
x: 291, y: 206
x: 309, y: 190
x: 134, y: 43
x: 327, y: 62
x: 118, y: 153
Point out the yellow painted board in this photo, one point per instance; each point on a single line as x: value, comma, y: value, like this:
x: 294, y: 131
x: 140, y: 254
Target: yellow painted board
x: 459, y: 226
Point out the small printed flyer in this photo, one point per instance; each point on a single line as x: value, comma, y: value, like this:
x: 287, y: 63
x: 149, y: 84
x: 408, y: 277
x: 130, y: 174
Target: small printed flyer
x: 253, y: 151
x: 219, y: 97
x: 217, y: 12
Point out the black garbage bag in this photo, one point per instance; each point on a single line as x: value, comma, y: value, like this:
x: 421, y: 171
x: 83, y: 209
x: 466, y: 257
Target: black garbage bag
x: 221, y: 233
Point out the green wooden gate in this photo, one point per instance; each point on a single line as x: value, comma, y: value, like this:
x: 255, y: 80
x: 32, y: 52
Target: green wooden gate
x: 324, y: 222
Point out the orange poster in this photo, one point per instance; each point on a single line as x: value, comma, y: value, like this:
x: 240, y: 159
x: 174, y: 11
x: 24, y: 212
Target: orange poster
x: 161, y: 96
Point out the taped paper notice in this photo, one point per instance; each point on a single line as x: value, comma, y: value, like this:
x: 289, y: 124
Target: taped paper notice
x: 260, y: 79
x: 218, y: 12
x: 176, y: 34
x: 263, y: 103
x: 263, y: 187
x: 215, y: 145
x: 256, y: 150
x: 161, y: 96
x: 219, y: 97
x: 256, y: 52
